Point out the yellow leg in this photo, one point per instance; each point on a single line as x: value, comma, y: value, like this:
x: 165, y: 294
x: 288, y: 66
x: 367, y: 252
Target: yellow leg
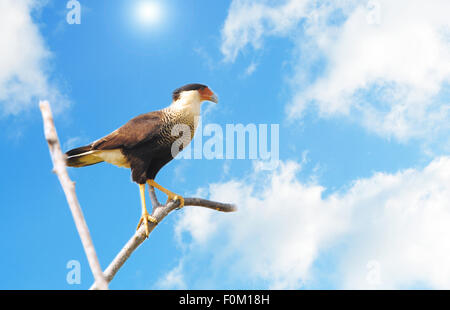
x: 170, y: 195
x: 145, y: 217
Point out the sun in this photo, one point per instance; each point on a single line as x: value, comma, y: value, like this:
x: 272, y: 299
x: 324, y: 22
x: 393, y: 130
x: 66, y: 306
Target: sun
x: 148, y: 12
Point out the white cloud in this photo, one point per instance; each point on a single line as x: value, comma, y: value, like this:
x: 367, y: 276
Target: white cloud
x: 393, y: 225
x: 250, y: 69
x: 401, y: 222
x: 24, y: 78
x: 72, y: 143
x: 249, y: 21
x: 403, y: 62
x: 172, y: 280
x: 386, y: 63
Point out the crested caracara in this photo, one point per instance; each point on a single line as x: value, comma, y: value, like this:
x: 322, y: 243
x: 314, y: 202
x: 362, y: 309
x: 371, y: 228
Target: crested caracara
x: 144, y: 144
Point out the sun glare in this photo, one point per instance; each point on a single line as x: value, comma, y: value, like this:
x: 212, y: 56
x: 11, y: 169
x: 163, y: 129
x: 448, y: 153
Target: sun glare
x: 148, y: 12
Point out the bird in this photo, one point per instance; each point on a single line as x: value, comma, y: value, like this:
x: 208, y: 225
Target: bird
x: 148, y: 142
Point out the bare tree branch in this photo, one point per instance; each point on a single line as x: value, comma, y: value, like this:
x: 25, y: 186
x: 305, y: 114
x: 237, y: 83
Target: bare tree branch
x: 59, y: 167
x: 159, y: 212
x: 153, y: 197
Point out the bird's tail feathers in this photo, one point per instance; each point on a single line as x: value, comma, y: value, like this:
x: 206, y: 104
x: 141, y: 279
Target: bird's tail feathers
x: 82, y: 156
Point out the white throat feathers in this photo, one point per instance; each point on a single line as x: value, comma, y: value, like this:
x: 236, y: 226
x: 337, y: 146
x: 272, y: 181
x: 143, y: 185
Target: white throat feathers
x: 185, y: 110
x: 189, y: 103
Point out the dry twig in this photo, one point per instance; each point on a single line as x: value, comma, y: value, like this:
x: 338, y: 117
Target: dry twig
x: 59, y: 167
x: 159, y: 212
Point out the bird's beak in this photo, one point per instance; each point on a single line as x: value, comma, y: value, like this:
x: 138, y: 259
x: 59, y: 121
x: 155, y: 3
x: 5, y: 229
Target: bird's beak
x: 208, y: 95
x: 214, y: 98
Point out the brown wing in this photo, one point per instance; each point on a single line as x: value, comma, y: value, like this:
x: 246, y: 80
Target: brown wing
x: 138, y: 130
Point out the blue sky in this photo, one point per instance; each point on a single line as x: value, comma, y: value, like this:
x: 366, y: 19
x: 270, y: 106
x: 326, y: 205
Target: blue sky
x: 360, y: 90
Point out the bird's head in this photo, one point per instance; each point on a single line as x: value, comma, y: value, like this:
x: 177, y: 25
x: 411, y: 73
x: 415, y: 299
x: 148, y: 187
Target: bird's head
x: 193, y: 94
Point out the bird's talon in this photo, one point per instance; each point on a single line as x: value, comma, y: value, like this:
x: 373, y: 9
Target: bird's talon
x: 181, y: 202
x: 145, y: 219
x: 139, y: 224
x: 152, y: 219
x: 175, y: 198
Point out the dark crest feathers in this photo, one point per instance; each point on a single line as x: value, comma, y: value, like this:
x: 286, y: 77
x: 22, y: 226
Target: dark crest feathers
x: 176, y: 92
